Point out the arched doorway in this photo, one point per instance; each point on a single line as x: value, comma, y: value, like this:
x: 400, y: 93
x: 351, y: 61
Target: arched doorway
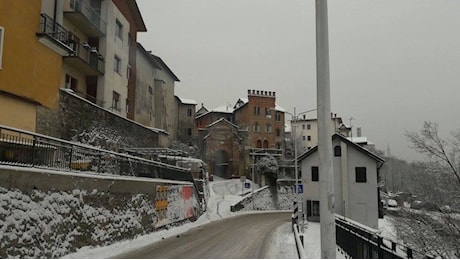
x: 221, y: 166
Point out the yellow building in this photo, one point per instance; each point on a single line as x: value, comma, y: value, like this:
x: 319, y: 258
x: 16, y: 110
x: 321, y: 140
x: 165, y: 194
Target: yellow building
x: 29, y: 70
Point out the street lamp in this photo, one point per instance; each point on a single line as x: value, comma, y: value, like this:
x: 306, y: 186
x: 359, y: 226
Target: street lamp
x: 294, y: 119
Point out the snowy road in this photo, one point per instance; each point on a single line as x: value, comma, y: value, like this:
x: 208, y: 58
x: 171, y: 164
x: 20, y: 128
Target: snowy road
x: 243, y: 236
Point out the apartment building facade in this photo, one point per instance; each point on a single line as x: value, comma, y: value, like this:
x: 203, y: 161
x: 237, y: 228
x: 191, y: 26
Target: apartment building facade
x: 30, y: 71
x: 155, y: 102
x: 305, y: 131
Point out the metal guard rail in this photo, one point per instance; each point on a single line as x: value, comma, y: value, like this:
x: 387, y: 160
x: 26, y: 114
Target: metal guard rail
x: 24, y: 148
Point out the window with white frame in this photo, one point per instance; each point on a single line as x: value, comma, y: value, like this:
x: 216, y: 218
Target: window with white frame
x: 2, y: 36
x: 118, y: 29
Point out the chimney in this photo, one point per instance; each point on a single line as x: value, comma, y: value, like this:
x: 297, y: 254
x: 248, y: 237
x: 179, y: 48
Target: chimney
x: 358, y: 131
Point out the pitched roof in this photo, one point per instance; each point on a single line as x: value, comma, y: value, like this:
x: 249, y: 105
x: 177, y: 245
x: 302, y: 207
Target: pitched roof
x: 221, y: 120
x: 148, y: 55
x: 186, y: 101
x: 344, y: 139
x: 163, y: 64
x: 134, y: 9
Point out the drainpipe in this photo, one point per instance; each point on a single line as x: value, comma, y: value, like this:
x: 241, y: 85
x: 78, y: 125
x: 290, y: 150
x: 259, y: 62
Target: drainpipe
x: 54, y: 15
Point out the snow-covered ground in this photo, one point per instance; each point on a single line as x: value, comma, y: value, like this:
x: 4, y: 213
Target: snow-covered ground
x: 224, y: 193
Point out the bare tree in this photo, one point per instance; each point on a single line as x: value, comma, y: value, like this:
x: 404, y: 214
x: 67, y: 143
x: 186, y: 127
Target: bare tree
x: 444, y: 152
x: 435, y: 232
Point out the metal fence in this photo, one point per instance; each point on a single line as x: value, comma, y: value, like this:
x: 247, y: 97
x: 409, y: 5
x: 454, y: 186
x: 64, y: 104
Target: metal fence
x: 23, y: 148
x: 358, y: 242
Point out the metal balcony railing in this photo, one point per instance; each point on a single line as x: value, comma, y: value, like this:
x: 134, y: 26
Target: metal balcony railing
x: 84, y: 7
x: 91, y: 56
x: 57, y: 32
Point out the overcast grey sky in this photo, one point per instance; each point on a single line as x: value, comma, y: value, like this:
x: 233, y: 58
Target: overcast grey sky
x: 394, y: 63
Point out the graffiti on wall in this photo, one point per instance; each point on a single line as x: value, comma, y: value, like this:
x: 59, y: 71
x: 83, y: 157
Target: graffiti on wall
x: 174, y: 203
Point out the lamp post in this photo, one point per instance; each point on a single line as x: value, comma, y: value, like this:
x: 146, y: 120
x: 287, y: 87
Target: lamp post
x: 294, y: 119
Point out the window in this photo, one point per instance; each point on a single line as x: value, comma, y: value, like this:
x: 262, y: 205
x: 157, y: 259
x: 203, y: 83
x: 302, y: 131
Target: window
x: 150, y: 90
x: 315, y: 208
x: 303, y: 126
x: 312, y: 208
x: 360, y: 174
x: 189, y: 131
x: 308, y: 126
x: 127, y: 106
x: 268, y: 128
x: 337, y: 151
x: 129, y: 39
x: 2, y: 35
x: 309, y: 138
x: 277, y: 117
x: 268, y: 112
x: 189, y: 112
x: 265, y: 144
x: 128, y: 72
x: 256, y: 127
x: 118, y: 29
x: 278, y: 132
x: 314, y: 173
x: 117, y: 64
x: 259, y: 144
x: 70, y: 82
x: 303, y: 137
x: 256, y: 111
x: 116, y: 101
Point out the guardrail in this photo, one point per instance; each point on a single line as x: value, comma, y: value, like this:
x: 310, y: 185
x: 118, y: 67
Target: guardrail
x: 357, y: 241
x: 298, y: 242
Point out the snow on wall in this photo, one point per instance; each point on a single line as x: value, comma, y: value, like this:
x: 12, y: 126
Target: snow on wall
x: 50, y: 224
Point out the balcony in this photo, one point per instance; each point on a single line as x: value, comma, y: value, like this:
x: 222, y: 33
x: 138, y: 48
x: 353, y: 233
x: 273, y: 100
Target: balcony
x: 55, y: 36
x: 87, y: 60
x: 85, y: 18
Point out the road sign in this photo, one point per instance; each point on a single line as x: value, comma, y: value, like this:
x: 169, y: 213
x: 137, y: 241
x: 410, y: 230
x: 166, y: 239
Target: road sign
x: 247, y: 185
x: 299, y: 188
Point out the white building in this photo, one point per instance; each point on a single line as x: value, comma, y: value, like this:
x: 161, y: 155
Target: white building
x: 355, y: 177
x: 305, y: 131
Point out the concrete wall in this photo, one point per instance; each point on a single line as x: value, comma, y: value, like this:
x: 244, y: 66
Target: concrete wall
x: 30, y: 179
x: 48, y: 214
x: 78, y: 118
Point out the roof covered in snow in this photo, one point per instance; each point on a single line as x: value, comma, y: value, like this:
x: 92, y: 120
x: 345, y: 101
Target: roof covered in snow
x: 186, y: 101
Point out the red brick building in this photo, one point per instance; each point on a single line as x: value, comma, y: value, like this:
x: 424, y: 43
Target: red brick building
x: 262, y: 118
x: 229, y: 138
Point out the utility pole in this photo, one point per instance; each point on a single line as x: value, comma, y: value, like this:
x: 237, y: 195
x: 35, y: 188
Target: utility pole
x: 294, y: 118
x: 326, y: 171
